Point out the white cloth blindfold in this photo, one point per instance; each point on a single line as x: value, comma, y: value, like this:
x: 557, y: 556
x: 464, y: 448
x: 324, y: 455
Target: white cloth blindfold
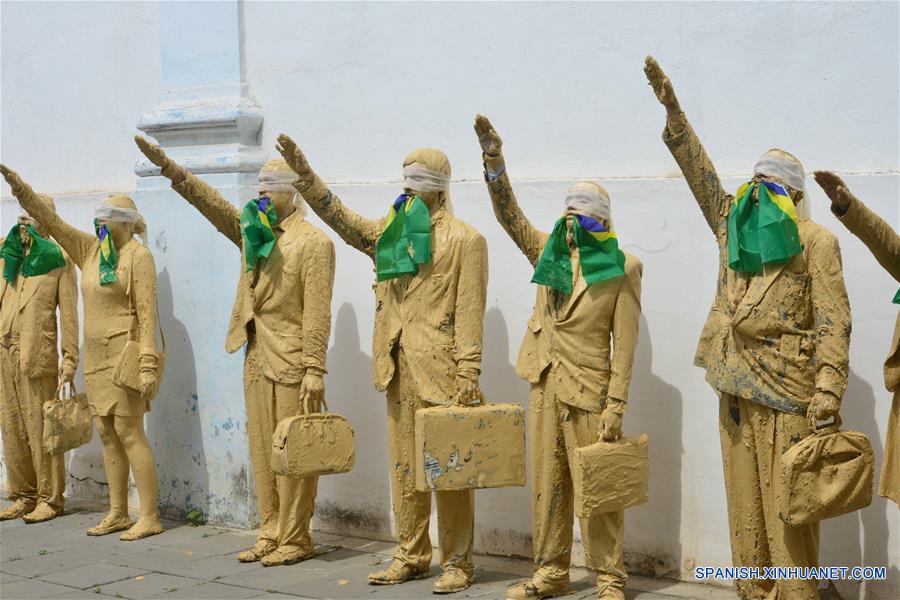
x: 785, y: 170
x: 420, y: 179
x: 586, y: 199
x: 277, y: 181
x: 114, y: 213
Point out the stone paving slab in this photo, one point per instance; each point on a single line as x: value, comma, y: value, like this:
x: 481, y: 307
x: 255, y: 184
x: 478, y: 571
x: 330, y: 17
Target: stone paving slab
x: 57, y: 559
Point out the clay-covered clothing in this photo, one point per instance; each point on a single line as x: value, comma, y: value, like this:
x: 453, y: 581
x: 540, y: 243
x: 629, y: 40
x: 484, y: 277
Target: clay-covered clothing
x: 435, y: 315
x: 778, y: 337
x: 592, y: 332
x: 28, y: 313
x: 287, y: 298
x: 884, y: 244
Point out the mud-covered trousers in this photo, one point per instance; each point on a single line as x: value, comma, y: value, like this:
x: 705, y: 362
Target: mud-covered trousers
x: 556, y: 430
x: 286, y: 504
x: 32, y: 475
x: 753, y: 439
x: 412, y: 509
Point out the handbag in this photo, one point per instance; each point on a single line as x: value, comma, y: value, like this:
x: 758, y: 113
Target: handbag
x: 313, y: 444
x: 67, y: 421
x: 127, y: 372
x: 826, y: 474
x: 611, y: 476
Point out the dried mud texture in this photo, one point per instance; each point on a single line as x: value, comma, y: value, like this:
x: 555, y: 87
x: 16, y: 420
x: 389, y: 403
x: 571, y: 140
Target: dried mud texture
x: 462, y: 447
x: 610, y: 476
x: 574, y: 330
x: 884, y: 243
x: 317, y: 444
x: 778, y: 337
x: 287, y: 298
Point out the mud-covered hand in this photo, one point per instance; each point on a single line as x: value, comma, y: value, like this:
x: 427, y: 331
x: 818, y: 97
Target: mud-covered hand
x: 312, y: 392
x: 170, y: 169
x: 611, y: 420
x: 18, y: 185
x: 467, y: 391
x: 490, y: 141
x: 661, y: 85
x: 824, y: 405
x: 295, y: 160
x: 149, y: 384
x: 836, y: 190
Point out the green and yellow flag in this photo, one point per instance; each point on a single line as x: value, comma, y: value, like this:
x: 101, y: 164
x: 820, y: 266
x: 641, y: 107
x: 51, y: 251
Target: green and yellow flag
x: 598, y: 249
x: 42, y: 257
x: 762, y: 232
x: 405, y: 242
x: 257, y: 222
x: 108, y: 256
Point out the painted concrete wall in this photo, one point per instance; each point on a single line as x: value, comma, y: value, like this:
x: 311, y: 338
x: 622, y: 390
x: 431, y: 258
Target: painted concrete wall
x: 359, y: 85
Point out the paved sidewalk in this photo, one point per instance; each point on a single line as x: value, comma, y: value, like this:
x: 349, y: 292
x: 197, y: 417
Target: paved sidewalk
x: 57, y: 560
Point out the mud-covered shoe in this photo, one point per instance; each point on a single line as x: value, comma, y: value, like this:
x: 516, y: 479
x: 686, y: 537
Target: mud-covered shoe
x: 16, y: 510
x: 142, y: 529
x: 397, y: 572
x: 453, y: 579
x: 285, y: 555
x: 110, y: 524
x: 42, y: 512
x: 261, y: 548
x: 611, y: 593
x: 536, y: 588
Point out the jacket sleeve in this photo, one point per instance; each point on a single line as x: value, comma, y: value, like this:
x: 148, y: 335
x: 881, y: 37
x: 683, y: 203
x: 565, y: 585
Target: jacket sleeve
x: 831, y: 309
x: 75, y: 242
x: 625, y: 327
x: 67, y: 299
x: 471, y: 298
x: 356, y: 230
x: 529, y: 239
x: 698, y: 170
x: 879, y: 237
x: 318, y: 281
x: 223, y: 215
x: 143, y: 282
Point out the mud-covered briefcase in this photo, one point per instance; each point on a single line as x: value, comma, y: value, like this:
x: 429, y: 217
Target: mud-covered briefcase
x: 466, y: 447
x: 313, y: 444
x: 826, y: 474
x: 611, y: 476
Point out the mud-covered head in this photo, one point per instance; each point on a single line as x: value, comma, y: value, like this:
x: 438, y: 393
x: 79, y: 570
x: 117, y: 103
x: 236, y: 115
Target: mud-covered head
x: 275, y: 183
x: 24, y: 220
x: 426, y: 173
x: 786, y: 169
x: 589, y: 199
x: 120, y: 216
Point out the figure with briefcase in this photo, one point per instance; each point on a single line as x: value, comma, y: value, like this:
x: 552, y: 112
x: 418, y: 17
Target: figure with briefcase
x: 577, y: 355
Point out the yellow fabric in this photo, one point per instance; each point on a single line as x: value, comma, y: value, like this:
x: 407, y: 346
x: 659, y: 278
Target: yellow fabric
x: 753, y: 439
x: 802, y: 306
x: 288, y: 298
x: 437, y: 314
x: 32, y: 475
x: 557, y: 428
x: 286, y: 504
x: 412, y: 509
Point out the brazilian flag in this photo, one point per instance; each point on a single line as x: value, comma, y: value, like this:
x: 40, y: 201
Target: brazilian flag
x: 108, y: 257
x: 405, y: 242
x: 762, y: 232
x: 257, y: 221
x: 43, y: 256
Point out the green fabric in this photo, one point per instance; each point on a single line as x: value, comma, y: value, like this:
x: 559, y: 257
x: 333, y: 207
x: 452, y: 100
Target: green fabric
x: 108, y: 256
x: 760, y: 233
x: 257, y: 222
x: 600, y: 259
x: 897, y: 297
x: 42, y: 257
x: 405, y: 242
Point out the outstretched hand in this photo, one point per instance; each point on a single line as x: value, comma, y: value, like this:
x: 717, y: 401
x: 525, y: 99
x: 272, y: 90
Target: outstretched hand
x: 293, y: 156
x: 661, y: 85
x: 158, y: 157
x: 18, y: 185
x: 835, y: 189
x: 490, y: 141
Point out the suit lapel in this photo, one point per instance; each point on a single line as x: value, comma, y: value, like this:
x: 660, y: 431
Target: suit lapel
x: 757, y: 289
x: 29, y: 287
x: 439, y: 236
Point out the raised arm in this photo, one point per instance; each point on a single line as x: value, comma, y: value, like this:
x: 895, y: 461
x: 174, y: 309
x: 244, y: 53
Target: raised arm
x: 143, y: 282
x: 879, y: 237
x: 689, y: 153
x: 356, y: 230
x: 530, y: 240
x: 75, y: 242
x: 223, y: 215
x: 67, y: 299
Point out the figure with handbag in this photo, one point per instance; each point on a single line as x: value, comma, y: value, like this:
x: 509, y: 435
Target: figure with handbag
x: 577, y: 355
x: 122, y: 362
x: 431, y: 271
x: 884, y: 243
x: 282, y: 315
x: 775, y: 345
x: 38, y: 278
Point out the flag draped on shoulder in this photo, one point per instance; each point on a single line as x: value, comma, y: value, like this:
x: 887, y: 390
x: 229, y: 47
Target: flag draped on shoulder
x: 762, y: 227
x: 405, y: 242
x: 43, y: 255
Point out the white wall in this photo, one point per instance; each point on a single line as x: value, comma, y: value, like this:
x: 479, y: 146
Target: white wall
x: 359, y: 85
